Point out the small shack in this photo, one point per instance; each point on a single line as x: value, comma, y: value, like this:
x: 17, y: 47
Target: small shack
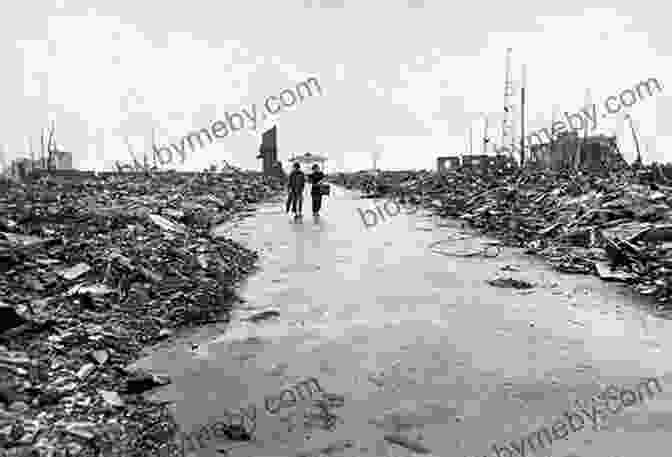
x: 569, y: 150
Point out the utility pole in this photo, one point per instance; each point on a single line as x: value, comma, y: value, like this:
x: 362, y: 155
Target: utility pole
x: 51, y: 146
x: 507, y: 137
x: 588, y: 100
x: 485, y: 135
x: 471, y: 146
x: 29, y: 145
x: 523, y: 84
x: 466, y: 146
x: 555, y: 113
x: 145, y: 162
x: 581, y: 152
x: 42, y: 162
x: 29, y: 152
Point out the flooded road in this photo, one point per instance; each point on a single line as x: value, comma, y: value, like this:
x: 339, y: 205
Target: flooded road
x: 418, y: 344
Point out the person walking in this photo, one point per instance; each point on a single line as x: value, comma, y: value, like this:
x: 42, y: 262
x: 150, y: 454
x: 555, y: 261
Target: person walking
x: 315, y: 179
x: 295, y: 186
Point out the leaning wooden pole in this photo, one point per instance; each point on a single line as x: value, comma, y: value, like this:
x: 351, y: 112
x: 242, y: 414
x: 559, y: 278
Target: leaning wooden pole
x: 638, y: 160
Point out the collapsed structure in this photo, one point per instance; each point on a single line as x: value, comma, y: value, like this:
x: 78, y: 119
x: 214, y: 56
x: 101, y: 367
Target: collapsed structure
x: 595, y: 153
x: 568, y: 150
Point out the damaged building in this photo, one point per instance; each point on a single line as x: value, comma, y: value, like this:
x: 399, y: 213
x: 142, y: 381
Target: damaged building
x: 569, y: 150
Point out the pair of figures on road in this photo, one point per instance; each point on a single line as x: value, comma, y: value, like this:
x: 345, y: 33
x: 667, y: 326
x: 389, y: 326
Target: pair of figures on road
x: 295, y: 186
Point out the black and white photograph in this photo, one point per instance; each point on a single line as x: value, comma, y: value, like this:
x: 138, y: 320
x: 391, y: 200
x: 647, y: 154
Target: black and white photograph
x: 335, y: 228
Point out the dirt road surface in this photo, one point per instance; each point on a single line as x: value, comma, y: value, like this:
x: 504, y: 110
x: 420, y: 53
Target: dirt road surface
x: 418, y: 344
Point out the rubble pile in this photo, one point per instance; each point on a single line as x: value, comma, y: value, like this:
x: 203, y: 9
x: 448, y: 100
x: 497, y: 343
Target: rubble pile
x: 90, y: 274
x: 615, y: 225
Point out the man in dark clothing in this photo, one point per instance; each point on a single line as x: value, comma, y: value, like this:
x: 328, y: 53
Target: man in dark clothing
x: 316, y: 194
x: 295, y: 187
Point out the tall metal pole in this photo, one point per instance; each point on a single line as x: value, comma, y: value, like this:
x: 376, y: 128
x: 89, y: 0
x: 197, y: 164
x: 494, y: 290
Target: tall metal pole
x: 51, y: 146
x: 580, y: 153
x: 507, y: 137
x: 523, y: 84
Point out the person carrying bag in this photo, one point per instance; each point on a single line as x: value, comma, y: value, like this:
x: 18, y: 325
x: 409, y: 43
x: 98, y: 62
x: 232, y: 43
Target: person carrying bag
x: 318, y: 188
x: 324, y: 189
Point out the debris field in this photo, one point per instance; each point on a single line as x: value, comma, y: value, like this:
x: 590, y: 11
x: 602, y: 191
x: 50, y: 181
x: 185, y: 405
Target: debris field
x: 91, y: 272
x: 616, y: 224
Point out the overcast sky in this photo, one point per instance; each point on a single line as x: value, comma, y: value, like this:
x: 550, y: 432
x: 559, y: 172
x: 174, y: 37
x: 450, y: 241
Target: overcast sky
x: 405, y: 78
